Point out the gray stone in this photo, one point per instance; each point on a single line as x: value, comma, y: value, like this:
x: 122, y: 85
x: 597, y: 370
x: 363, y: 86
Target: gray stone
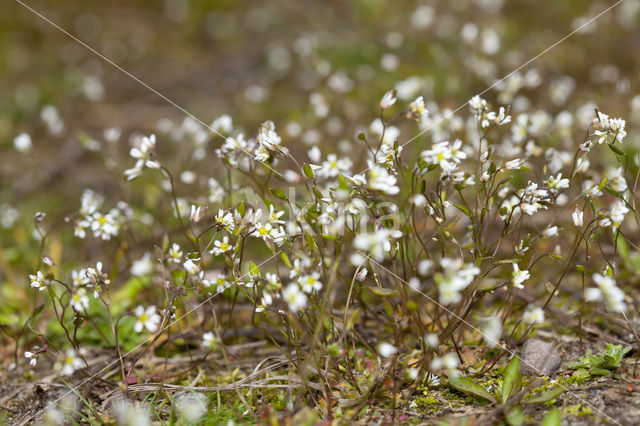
x: 539, y: 358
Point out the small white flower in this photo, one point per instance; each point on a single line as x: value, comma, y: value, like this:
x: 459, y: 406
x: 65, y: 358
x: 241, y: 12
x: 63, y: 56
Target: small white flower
x: 191, y: 267
x: 552, y: 231
x: 519, y: 276
x: 388, y: 99
x: 578, y: 217
x: 386, y: 349
x: 23, y: 143
x: 221, y: 247
x: 210, y: 341
x: 38, y: 281
x: 175, y: 253
x: 197, y: 213
x: 32, y: 357
x: 80, y: 300
x: 534, y: 315
x: 224, y: 220
x: 294, y: 298
x: 191, y: 407
x: 147, y: 318
x: 142, y: 267
x: 70, y: 363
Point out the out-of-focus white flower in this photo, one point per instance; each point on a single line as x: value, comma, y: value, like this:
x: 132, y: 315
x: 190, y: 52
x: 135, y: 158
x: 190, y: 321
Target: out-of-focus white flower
x: 533, y: 315
x: 142, y: 267
x: 310, y: 282
x: 294, y: 298
x: 607, y: 290
x: 79, y: 300
x: 191, y: 267
x: 386, y: 349
x: 127, y: 414
x: 22, y: 143
x: 191, y: 407
x: 210, y: 341
x: 379, y: 179
x: 551, y: 231
x: 70, y: 363
x: 491, y: 330
x: 147, y: 318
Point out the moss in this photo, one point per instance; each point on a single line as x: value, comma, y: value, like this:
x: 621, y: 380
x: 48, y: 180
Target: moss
x: 578, y: 410
x: 427, y: 404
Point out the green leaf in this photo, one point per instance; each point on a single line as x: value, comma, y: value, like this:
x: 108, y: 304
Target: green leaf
x: 599, y: 372
x: 308, y: 171
x: 553, y: 418
x: 278, y: 193
x: 547, y: 396
x: 382, y: 291
x: 468, y: 386
x: 286, y: 260
x: 254, y: 270
x: 463, y: 209
x: 511, y: 375
x: 515, y: 417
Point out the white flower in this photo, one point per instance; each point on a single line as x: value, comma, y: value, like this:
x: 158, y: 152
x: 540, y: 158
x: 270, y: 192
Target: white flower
x: 533, y: 315
x: 197, y: 213
x: 310, y: 282
x: 607, y: 289
x: 578, y: 218
x: 519, y: 276
x: 23, y: 143
x: 175, y: 253
x: 38, y: 281
x: 144, y: 157
x: 557, y: 183
x: 386, y: 349
x: 552, y: 231
x: 294, y: 298
x: 128, y: 414
x: 147, y: 318
x: 274, y: 216
x: 267, y: 136
x: 142, y: 267
x: 449, y: 362
x: 492, y: 330
x: 79, y: 300
x: 221, y: 247
x: 224, y: 220
x: 618, y: 212
x: 191, y: 267
x: 32, y: 357
x: 210, y: 341
x: 378, y: 244
x: 514, y: 164
x: 381, y: 180
x: 264, y: 231
x: 388, y: 99
x: 191, y: 407
x: 70, y: 363
x: 417, y: 109
x: 609, y: 129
